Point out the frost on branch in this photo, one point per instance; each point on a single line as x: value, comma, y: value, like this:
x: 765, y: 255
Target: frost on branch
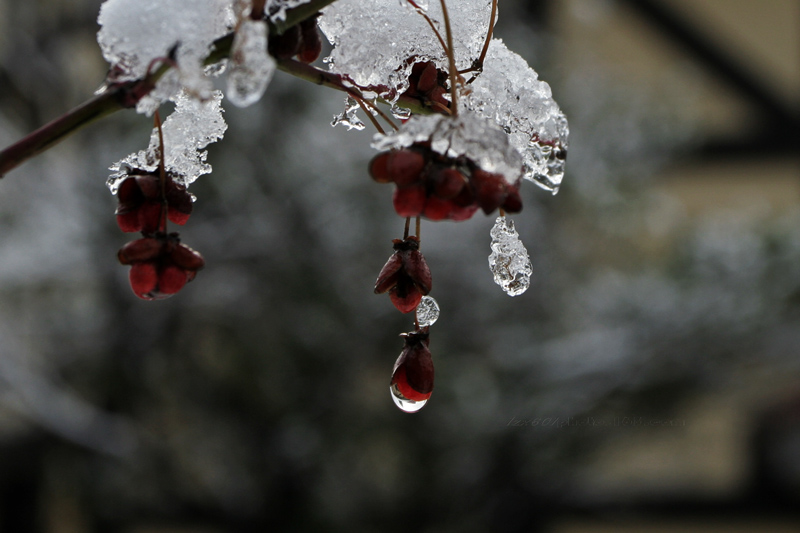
x: 509, y: 259
x: 190, y: 128
x: 276, y: 9
x: 135, y: 32
x: 510, y: 93
x: 250, y: 68
x: 467, y: 135
x: 374, y: 39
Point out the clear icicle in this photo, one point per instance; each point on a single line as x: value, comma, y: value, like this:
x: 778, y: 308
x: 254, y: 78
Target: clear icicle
x: 509, y: 259
x: 250, y: 67
x: 349, y: 116
x: 427, y: 311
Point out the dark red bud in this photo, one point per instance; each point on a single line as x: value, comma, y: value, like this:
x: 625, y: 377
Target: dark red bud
x: 513, y: 201
x: 140, y: 250
x: 427, y: 78
x: 389, y: 273
x: 490, y: 190
x: 448, y: 182
x: 416, y: 267
x: 413, y: 373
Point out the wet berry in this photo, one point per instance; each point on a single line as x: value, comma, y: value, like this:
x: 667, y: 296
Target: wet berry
x: 160, y: 265
x: 405, y: 276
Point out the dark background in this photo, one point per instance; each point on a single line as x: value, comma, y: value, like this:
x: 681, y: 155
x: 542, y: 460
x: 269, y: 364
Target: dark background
x: 651, y: 372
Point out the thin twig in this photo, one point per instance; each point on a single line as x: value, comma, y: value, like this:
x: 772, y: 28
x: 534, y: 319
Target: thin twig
x: 370, y: 116
x: 489, y: 33
x: 452, y: 57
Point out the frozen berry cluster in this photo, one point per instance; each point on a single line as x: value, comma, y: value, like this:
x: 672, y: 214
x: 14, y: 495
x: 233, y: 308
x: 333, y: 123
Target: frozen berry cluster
x: 428, y: 84
x: 160, y: 264
x: 438, y: 188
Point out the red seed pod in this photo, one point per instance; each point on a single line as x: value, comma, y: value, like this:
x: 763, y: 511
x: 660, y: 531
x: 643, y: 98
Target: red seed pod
x: 448, y: 182
x: 513, y: 201
x: 311, y: 43
x: 405, y: 276
x: 405, y: 167
x: 409, y: 201
x: 378, y: 168
x: 141, y: 203
x: 285, y: 45
x: 437, y: 209
x: 490, y: 189
x: 413, y: 373
x: 427, y: 78
x: 160, y: 265
x: 179, y: 203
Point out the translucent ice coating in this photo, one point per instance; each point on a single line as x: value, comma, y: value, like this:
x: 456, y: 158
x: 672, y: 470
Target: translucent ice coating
x: 468, y: 135
x: 374, y: 39
x: 250, y: 68
x: 509, y: 259
x: 510, y: 93
x: 276, y: 9
x: 190, y: 128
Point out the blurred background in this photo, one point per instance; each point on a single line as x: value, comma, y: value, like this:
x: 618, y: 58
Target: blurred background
x: 648, y: 381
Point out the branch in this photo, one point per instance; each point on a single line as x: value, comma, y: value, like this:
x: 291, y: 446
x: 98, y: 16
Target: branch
x: 125, y: 95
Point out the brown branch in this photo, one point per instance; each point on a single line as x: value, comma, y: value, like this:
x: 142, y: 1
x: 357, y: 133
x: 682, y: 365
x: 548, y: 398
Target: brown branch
x: 123, y: 96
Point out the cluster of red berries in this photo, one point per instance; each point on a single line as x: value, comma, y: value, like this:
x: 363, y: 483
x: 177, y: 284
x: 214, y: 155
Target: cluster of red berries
x: 160, y: 264
x: 302, y: 40
x: 437, y: 187
x: 427, y: 84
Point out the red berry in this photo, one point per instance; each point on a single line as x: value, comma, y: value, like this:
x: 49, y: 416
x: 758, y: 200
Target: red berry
x: 448, y: 182
x: 490, y: 189
x: 437, y: 208
x: 378, y: 168
x: 413, y: 371
x: 427, y: 78
x: 405, y: 167
x: 144, y: 279
x: 513, y: 201
x: 409, y: 201
x: 171, y: 279
x: 311, y: 43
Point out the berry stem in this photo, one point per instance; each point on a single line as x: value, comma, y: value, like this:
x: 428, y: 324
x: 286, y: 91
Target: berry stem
x: 405, y: 231
x: 492, y: 18
x: 451, y: 55
x: 417, y: 228
x: 162, y: 175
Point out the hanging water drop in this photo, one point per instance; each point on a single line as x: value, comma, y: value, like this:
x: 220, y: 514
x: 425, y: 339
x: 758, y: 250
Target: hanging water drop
x: 427, y: 312
x: 509, y: 259
x: 412, y: 377
x: 349, y: 117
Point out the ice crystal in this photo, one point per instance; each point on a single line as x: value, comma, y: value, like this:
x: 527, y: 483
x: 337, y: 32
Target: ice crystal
x: 467, y: 135
x: 511, y: 94
x: 509, y: 259
x: 349, y: 117
x: 135, y: 32
x: 250, y: 66
x: 276, y: 9
x: 427, y: 311
x: 190, y: 128
x: 376, y: 42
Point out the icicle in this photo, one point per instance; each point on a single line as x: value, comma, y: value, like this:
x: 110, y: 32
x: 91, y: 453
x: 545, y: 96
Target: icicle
x: 251, y: 68
x: 509, y: 259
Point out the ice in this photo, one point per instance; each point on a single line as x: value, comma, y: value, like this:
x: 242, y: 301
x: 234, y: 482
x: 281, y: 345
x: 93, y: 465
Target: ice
x: 469, y: 135
x: 510, y: 93
x: 509, y: 259
x: 191, y: 127
x: 135, y: 32
x: 377, y: 41
x: 349, y: 117
x: 427, y: 311
x: 276, y: 9
x: 250, y: 68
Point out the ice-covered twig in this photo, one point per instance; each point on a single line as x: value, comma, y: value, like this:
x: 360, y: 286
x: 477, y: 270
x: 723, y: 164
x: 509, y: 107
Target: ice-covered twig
x: 125, y: 95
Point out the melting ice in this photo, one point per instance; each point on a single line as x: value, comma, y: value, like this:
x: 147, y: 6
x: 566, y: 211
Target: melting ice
x: 509, y: 259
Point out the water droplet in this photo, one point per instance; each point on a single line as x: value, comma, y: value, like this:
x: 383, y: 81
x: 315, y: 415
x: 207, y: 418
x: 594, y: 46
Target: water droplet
x: 509, y: 259
x: 405, y: 404
x: 349, y: 117
x: 412, y: 377
x: 400, y: 113
x: 427, y: 311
